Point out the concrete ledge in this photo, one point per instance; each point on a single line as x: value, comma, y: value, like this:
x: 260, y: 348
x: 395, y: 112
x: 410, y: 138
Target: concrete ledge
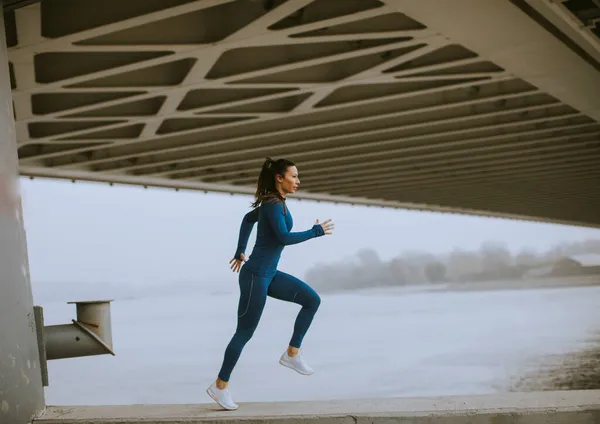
x: 569, y: 407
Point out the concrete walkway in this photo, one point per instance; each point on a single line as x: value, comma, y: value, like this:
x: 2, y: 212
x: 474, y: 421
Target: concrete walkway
x: 569, y: 407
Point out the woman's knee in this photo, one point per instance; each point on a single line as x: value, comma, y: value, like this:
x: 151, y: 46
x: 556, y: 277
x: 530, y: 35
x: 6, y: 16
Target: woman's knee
x: 314, y: 301
x: 308, y: 299
x: 243, y: 335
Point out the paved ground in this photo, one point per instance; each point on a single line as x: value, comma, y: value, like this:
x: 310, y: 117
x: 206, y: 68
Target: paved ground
x: 572, y: 407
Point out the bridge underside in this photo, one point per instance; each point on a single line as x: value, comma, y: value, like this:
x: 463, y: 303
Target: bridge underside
x: 469, y: 106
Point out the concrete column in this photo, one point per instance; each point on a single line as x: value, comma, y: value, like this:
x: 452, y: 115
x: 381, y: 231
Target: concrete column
x: 21, y: 390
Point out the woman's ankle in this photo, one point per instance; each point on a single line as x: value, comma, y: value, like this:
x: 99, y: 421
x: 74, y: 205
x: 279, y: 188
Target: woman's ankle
x: 221, y: 384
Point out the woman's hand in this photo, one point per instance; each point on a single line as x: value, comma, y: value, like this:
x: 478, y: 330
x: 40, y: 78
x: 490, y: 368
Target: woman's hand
x: 327, y: 226
x: 236, y: 264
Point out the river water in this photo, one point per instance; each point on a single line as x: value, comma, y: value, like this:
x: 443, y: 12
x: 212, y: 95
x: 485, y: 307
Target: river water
x: 383, y: 343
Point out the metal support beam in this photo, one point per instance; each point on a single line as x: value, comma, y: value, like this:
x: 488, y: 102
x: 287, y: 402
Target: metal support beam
x: 8, y: 5
x: 21, y: 390
x: 527, y: 49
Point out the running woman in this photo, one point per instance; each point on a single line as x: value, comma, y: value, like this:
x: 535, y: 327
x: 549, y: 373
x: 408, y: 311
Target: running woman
x: 259, y: 277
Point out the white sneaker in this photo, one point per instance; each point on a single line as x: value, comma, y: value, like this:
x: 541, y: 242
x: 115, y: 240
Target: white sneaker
x: 296, y: 363
x: 222, y: 397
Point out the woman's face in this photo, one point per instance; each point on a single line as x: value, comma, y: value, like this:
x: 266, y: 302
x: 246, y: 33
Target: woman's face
x: 290, y: 182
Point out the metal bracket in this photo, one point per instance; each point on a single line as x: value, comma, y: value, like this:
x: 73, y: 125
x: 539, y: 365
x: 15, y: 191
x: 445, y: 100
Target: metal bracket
x: 89, y: 334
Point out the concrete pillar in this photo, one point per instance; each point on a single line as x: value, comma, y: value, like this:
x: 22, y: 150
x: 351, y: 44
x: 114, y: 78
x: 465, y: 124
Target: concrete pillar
x: 21, y: 390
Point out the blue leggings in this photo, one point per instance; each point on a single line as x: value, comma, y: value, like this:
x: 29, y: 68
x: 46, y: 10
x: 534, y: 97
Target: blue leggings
x: 253, y: 296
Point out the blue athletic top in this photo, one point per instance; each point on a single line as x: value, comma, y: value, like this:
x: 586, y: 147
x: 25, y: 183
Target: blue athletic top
x: 273, y: 233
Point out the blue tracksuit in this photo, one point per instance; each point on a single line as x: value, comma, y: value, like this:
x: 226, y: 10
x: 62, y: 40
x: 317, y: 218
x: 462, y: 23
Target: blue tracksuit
x: 259, y: 277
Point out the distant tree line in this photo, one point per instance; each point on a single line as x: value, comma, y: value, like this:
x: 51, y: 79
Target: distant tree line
x: 492, y: 261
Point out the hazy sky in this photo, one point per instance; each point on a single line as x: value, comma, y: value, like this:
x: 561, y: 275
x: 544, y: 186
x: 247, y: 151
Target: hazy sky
x: 91, y: 232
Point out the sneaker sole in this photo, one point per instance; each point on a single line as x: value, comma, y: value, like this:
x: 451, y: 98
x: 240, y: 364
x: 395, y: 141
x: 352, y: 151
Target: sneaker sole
x: 292, y: 368
x: 213, y: 397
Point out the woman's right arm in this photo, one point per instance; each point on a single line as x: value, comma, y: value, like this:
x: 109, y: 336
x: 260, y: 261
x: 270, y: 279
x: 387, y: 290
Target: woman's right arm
x: 276, y: 218
x: 245, y: 229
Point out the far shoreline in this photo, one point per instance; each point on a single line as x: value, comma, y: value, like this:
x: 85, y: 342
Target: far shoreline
x: 524, y: 284
x: 505, y: 285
